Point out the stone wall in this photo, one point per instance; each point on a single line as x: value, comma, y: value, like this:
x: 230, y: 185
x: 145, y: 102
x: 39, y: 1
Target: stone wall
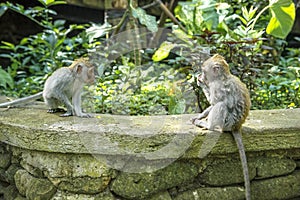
x: 43, y: 156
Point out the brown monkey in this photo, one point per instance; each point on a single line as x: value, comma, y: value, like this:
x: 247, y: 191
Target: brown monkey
x: 63, y: 87
x: 230, y: 105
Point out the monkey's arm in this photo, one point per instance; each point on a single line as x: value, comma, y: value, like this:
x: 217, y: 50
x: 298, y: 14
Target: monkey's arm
x: 206, y: 93
x: 22, y: 100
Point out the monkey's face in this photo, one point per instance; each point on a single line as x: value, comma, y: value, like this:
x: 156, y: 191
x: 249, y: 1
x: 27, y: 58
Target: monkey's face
x: 90, y: 78
x: 201, y: 79
x: 86, y: 74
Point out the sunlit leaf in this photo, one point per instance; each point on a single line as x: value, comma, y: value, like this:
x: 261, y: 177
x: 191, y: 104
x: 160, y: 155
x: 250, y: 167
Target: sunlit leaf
x: 283, y: 16
x: 163, y: 51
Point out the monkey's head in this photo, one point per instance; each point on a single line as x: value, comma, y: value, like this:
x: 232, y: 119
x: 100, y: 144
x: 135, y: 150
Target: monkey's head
x: 84, y: 70
x: 215, y: 68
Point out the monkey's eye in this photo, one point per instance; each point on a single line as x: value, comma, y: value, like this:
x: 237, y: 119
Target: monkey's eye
x: 216, y: 68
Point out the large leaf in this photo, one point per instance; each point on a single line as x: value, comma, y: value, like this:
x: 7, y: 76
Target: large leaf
x: 148, y: 20
x: 283, y: 16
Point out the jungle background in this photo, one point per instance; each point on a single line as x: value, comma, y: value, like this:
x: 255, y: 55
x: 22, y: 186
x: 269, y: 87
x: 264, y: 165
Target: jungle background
x: 259, y: 39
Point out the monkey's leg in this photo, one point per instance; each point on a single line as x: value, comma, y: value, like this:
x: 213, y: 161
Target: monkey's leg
x: 76, y: 100
x: 53, y: 105
x: 202, y: 115
x: 64, y: 98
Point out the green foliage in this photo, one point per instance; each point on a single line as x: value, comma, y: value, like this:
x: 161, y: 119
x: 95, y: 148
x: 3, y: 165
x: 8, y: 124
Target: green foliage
x: 210, y: 15
x: 199, y: 16
x: 280, y: 88
x: 5, y: 79
x: 162, y: 80
x: 117, y: 92
x: 39, y: 55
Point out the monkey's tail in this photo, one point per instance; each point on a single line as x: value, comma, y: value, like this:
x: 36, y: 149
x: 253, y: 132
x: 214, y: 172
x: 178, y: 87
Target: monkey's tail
x: 238, y: 139
x: 22, y: 100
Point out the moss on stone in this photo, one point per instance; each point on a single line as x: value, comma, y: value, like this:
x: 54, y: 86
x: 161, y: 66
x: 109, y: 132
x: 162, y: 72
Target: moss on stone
x: 267, y: 167
x: 212, y: 193
x: 142, y: 185
x: 285, y: 187
x: 33, y: 188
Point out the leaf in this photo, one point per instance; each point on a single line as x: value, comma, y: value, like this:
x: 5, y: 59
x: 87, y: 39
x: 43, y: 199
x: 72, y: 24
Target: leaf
x: 96, y: 31
x: 8, y: 45
x: 183, y: 36
x: 48, y: 3
x: 3, y: 9
x: 282, y: 20
x: 163, y: 51
x: 5, y: 79
x: 148, y: 20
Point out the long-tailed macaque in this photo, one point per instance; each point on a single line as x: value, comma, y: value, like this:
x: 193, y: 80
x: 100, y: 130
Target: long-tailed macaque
x: 230, y: 105
x: 64, y: 86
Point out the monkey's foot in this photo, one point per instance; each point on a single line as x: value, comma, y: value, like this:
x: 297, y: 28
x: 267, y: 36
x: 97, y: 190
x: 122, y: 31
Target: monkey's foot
x: 196, y: 120
x: 55, y: 110
x: 85, y: 115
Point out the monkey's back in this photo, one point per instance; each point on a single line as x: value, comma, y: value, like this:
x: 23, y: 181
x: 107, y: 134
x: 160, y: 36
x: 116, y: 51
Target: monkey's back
x: 238, y: 102
x: 235, y: 99
x: 59, y: 82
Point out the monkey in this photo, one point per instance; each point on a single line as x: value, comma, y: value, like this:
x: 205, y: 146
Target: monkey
x: 63, y: 87
x: 229, y: 105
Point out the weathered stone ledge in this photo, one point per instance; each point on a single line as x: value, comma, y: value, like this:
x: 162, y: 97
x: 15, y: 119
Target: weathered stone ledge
x: 35, y: 129
x: 43, y: 156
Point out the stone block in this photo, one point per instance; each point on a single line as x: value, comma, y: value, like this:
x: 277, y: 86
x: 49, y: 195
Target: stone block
x: 33, y: 188
x: 142, y: 185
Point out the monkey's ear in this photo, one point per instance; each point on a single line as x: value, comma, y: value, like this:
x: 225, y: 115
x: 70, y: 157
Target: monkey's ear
x: 78, y: 68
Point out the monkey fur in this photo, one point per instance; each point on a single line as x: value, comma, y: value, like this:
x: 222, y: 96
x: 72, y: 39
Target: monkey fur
x: 229, y: 105
x: 63, y: 87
